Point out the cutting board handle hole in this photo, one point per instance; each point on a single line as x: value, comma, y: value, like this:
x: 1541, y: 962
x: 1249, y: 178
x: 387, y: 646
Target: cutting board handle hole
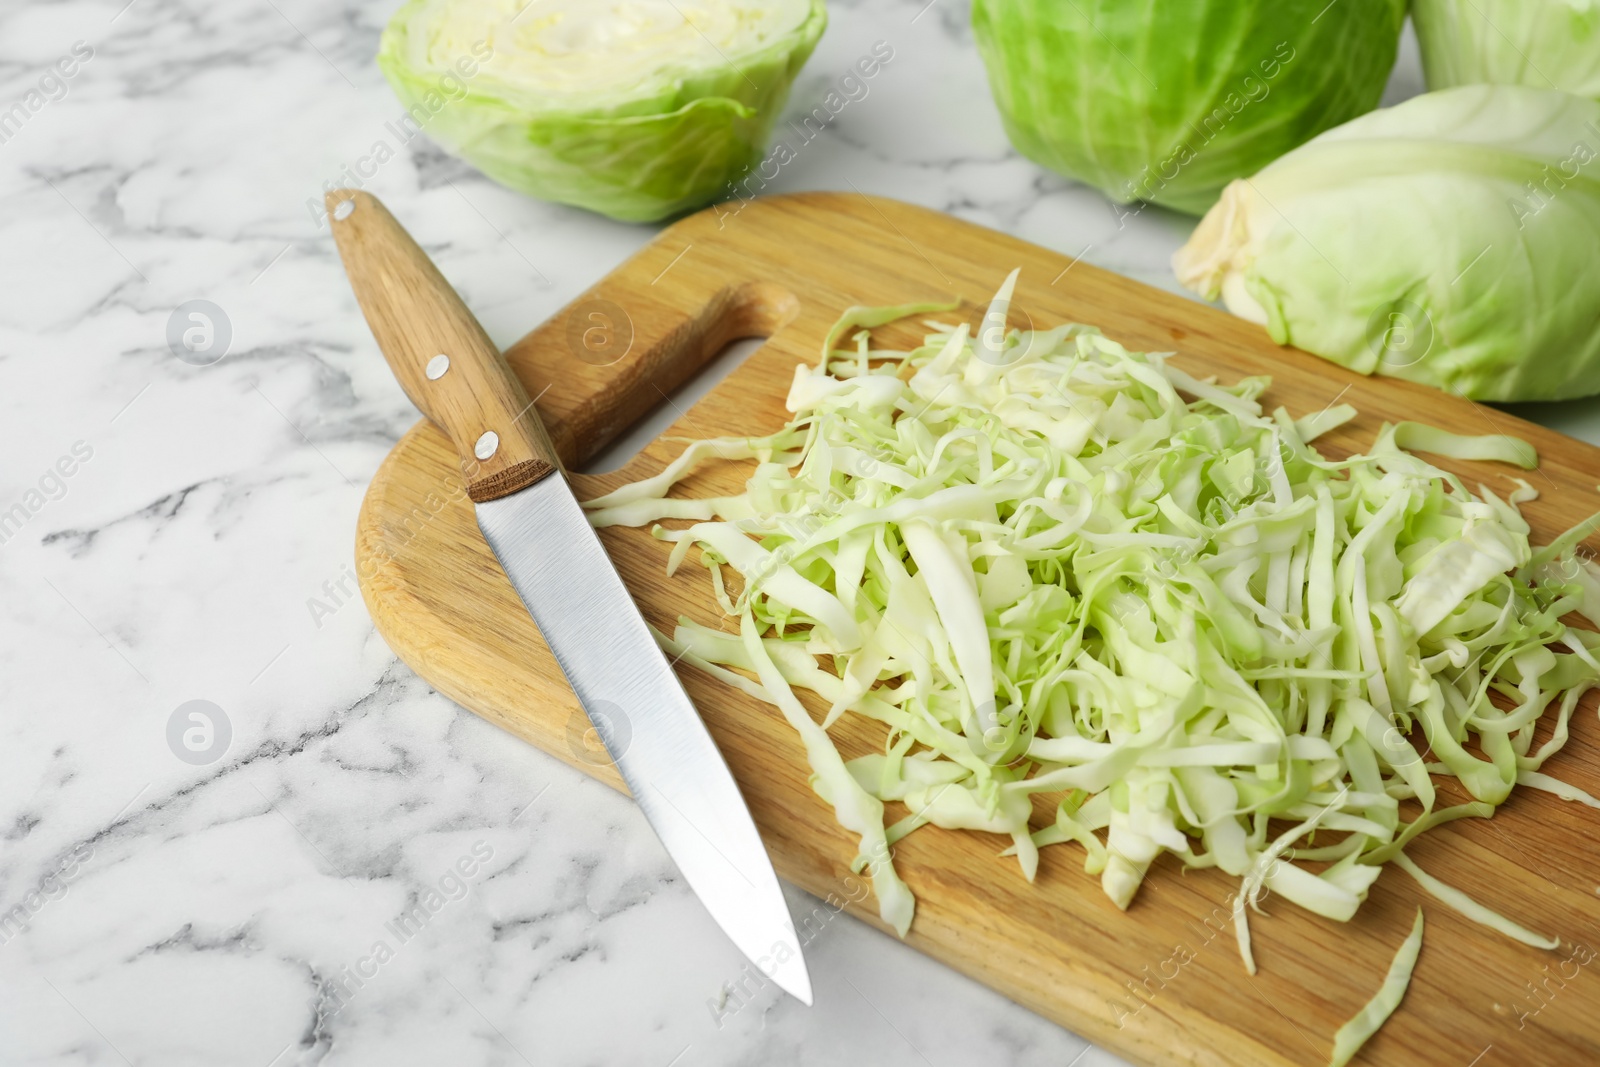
x: 620, y: 452
x: 734, y: 323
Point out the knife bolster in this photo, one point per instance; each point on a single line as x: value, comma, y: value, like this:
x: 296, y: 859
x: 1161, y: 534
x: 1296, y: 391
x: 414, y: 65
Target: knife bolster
x: 510, y: 480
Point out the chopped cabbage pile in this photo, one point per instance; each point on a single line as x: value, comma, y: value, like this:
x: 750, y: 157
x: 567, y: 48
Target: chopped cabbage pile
x: 1092, y: 599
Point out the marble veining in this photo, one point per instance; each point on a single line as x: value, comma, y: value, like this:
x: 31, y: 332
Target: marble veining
x: 334, y: 864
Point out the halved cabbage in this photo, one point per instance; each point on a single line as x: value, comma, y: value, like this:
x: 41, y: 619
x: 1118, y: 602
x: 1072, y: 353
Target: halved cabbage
x: 637, y: 109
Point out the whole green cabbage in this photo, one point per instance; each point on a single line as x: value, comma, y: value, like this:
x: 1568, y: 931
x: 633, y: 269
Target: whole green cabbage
x: 1543, y: 44
x: 637, y: 109
x: 1169, y: 100
x: 1450, y: 240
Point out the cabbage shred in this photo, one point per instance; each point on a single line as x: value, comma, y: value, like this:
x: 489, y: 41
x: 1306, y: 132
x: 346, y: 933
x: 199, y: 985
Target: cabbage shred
x: 1353, y: 1034
x: 1092, y: 599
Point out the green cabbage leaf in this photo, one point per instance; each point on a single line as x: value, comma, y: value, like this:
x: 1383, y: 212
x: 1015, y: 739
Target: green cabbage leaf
x: 637, y: 109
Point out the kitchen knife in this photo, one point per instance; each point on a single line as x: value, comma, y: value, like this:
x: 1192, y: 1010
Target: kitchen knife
x: 452, y: 371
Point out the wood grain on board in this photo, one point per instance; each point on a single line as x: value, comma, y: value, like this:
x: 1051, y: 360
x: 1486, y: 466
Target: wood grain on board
x: 1161, y: 983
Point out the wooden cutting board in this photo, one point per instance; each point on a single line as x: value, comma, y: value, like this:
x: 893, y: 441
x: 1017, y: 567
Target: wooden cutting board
x: 1160, y: 984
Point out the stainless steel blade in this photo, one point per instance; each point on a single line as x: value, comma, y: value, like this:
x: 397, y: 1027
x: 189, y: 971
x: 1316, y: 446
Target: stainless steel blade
x: 639, y: 709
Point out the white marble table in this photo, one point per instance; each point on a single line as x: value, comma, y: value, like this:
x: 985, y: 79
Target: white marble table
x: 211, y: 912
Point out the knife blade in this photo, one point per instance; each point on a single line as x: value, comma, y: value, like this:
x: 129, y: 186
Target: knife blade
x: 537, y: 530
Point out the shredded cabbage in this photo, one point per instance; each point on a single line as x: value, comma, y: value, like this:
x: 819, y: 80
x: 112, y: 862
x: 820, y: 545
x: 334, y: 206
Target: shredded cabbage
x: 1093, y: 599
x: 1473, y: 910
x: 1353, y: 1034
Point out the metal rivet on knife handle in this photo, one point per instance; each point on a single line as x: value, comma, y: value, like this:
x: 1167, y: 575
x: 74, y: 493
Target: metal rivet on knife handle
x: 416, y: 317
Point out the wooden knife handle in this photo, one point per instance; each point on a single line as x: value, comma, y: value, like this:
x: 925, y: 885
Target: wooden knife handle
x: 444, y: 361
